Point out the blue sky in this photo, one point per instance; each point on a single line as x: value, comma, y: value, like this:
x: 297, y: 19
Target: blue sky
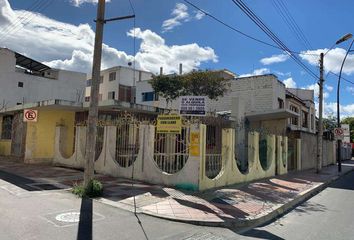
x: 170, y: 32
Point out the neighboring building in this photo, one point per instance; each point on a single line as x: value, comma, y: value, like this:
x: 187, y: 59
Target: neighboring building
x: 118, y: 83
x: 145, y: 95
x: 301, y: 102
x: 24, y: 80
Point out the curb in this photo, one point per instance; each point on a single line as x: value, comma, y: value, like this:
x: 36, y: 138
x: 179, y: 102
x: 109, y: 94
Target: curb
x: 245, y: 225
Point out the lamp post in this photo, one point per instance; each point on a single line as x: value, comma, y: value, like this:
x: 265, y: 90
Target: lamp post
x: 320, y: 120
x: 338, y: 112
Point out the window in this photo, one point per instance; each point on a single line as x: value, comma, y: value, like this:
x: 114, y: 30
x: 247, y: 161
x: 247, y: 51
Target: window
x: 125, y: 93
x: 18, y: 103
x: 311, y: 123
x: 304, y: 116
x: 148, y: 96
x: 20, y: 84
x: 281, y: 103
x: 111, y: 95
x: 87, y: 99
x: 294, y: 120
x: 101, y: 79
x: 6, y: 127
x: 112, y: 76
x: 89, y: 83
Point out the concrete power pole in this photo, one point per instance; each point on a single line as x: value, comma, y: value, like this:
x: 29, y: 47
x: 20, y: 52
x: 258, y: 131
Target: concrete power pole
x: 320, y: 121
x: 93, y: 110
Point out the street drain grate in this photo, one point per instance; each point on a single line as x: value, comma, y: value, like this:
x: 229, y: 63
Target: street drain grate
x: 204, y: 236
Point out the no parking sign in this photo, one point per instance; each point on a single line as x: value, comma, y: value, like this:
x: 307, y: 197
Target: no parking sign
x: 30, y: 115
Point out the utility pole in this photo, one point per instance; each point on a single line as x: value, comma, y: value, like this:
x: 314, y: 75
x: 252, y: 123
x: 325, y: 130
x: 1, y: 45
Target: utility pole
x: 93, y: 110
x: 320, y: 122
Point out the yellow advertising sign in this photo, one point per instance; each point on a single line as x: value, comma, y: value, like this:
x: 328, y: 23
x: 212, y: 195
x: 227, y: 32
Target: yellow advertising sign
x: 194, y: 144
x: 169, y: 123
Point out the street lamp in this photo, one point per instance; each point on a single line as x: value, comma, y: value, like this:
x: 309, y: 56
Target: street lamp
x: 338, y: 113
x: 320, y: 107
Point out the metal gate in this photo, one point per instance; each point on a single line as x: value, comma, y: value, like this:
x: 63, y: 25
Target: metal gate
x: 127, y: 143
x: 171, y: 151
x: 213, y: 150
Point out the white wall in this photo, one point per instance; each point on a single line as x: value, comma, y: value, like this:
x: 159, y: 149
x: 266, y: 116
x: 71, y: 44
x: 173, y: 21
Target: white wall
x: 66, y: 87
x: 124, y: 76
x: 259, y: 93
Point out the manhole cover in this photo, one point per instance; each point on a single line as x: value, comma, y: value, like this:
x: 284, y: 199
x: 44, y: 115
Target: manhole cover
x: 70, y: 217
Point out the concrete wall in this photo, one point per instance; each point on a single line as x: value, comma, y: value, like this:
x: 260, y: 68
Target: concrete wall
x: 67, y: 86
x: 40, y: 139
x: 309, y: 151
x: 193, y: 175
x: 259, y: 93
x: 5, y: 147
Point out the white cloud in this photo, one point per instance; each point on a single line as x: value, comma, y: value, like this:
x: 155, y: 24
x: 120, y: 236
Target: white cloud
x: 77, y: 3
x: 350, y: 89
x: 329, y: 88
x: 274, y: 59
x: 289, y: 83
x: 68, y: 46
x: 345, y: 110
x: 199, y: 15
x: 179, y: 15
x: 256, y: 72
x: 316, y: 89
x: 332, y: 61
x: 154, y: 53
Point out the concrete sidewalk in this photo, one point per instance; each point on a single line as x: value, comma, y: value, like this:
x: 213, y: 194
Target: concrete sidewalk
x: 238, y: 206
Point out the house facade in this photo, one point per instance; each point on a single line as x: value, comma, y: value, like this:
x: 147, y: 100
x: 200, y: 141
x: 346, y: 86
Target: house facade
x: 118, y: 83
x: 24, y: 80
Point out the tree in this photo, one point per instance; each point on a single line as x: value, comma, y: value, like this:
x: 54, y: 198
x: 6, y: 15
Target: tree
x: 350, y: 121
x: 168, y: 87
x: 330, y: 122
x: 205, y: 83
x: 198, y: 83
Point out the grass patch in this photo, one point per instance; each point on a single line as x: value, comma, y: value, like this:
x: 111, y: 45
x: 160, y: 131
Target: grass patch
x: 95, y: 189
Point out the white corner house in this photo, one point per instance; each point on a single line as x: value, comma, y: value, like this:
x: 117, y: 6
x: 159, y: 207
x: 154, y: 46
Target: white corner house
x: 24, y: 80
x: 118, y: 83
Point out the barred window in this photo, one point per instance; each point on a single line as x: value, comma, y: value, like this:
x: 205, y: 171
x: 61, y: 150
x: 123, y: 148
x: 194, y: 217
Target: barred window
x: 6, y: 127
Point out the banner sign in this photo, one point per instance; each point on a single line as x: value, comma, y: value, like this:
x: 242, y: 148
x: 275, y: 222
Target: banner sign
x: 193, y: 105
x: 169, y: 123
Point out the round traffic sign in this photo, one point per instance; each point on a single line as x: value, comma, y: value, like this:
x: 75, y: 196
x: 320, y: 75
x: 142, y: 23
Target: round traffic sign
x: 30, y: 115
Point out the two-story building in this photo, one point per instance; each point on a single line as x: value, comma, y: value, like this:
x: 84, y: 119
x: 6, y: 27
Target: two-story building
x: 118, y: 83
x: 24, y: 80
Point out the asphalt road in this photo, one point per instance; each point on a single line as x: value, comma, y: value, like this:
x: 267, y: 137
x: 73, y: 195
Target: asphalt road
x: 328, y: 215
x: 29, y: 214
x: 26, y: 213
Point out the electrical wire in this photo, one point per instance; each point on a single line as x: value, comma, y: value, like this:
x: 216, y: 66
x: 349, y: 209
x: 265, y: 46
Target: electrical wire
x: 240, y: 32
x: 330, y: 72
x: 26, y: 18
x: 271, y: 35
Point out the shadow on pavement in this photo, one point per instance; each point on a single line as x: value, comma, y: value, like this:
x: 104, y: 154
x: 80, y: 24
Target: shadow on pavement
x: 261, y: 234
x: 25, y: 183
x: 85, y: 223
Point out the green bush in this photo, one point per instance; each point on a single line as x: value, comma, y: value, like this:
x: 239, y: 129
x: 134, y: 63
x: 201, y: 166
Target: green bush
x: 95, y: 189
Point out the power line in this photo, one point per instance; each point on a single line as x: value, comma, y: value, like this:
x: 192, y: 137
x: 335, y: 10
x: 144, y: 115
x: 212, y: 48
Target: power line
x: 330, y: 72
x: 271, y: 35
x: 26, y: 18
x: 239, y: 31
x: 288, y: 19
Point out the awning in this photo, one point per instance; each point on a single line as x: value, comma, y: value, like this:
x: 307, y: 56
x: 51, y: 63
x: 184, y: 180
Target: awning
x: 272, y: 114
x: 29, y: 63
